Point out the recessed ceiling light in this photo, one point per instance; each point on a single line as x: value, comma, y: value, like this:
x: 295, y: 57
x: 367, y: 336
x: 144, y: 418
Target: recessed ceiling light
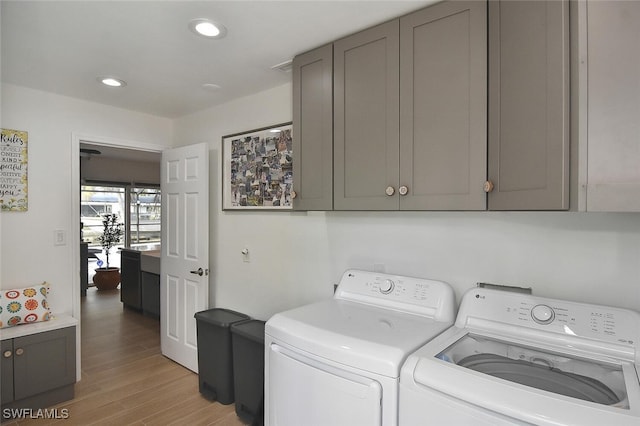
x: 207, y: 28
x: 112, y: 81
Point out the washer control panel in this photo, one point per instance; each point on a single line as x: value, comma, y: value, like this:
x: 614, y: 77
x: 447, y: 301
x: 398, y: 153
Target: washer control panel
x: 598, y: 322
x: 410, y: 294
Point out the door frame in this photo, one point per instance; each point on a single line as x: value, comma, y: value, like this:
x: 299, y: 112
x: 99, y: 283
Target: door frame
x: 74, y: 226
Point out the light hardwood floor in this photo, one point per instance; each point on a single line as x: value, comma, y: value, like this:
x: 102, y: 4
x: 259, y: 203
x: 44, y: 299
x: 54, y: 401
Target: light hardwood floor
x: 125, y: 378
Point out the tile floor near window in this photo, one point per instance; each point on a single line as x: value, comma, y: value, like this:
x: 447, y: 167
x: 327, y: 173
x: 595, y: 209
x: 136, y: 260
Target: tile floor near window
x: 125, y: 378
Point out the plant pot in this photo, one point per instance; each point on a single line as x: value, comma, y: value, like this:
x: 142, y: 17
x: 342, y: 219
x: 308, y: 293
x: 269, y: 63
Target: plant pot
x: 106, y: 278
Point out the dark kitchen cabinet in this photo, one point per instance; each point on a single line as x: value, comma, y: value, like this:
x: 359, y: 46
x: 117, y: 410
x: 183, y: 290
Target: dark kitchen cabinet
x: 130, y: 281
x: 528, y: 161
x: 150, y: 294
x: 38, y: 370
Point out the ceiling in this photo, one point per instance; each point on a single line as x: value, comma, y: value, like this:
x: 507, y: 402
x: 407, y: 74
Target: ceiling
x: 63, y: 46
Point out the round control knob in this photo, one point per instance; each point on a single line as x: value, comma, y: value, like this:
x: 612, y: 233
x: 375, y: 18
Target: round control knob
x: 542, y: 314
x: 387, y: 286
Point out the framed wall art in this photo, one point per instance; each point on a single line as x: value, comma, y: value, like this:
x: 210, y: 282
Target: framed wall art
x: 257, y: 169
x: 13, y: 170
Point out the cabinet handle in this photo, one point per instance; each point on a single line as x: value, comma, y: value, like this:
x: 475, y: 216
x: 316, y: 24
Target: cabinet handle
x: 403, y: 190
x: 294, y: 194
x: 7, y: 354
x: 390, y: 191
x: 488, y: 186
x: 19, y: 351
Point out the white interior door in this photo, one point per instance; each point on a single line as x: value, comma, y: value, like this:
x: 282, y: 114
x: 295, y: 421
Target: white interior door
x: 184, y: 274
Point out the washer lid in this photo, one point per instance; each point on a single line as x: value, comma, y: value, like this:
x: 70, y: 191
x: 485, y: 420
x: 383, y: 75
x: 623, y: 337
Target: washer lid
x: 355, y: 334
x: 542, y: 377
x: 577, y: 377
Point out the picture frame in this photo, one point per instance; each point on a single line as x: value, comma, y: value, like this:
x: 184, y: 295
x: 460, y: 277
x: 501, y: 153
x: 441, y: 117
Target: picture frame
x: 257, y: 169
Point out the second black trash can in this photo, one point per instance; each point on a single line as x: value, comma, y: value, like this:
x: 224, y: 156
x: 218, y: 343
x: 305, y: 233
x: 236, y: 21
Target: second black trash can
x: 248, y: 370
x: 215, y: 357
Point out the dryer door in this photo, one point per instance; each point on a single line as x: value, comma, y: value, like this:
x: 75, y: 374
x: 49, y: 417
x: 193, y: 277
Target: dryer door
x: 303, y: 391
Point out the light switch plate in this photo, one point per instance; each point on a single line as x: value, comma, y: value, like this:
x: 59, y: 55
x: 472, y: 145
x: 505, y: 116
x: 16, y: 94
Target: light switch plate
x: 59, y: 237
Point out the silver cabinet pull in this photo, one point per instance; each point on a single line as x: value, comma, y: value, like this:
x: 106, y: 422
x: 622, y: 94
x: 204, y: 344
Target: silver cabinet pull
x: 19, y: 351
x: 403, y: 190
x: 390, y: 191
x: 7, y: 354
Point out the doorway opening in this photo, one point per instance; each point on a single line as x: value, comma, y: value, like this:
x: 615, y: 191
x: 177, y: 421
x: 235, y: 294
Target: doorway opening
x: 138, y: 209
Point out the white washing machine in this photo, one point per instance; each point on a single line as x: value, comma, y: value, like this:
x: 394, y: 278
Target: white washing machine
x: 518, y: 359
x: 338, y: 362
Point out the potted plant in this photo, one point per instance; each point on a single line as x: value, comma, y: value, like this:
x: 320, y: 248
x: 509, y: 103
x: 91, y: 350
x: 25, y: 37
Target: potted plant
x: 108, y: 278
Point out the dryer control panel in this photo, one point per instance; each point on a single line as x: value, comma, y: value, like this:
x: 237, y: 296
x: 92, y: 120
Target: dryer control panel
x: 420, y: 296
x: 594, y: 322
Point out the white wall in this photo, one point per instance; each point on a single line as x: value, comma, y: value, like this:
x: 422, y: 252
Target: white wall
x: 28, y: 253
x: 296, y: 257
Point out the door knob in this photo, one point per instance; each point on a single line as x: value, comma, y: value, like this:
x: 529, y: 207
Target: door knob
x: 200, y: 272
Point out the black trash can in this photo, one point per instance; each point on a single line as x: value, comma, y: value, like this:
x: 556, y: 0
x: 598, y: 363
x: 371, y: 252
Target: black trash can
x: 215, y: 357
x: 248, y: 370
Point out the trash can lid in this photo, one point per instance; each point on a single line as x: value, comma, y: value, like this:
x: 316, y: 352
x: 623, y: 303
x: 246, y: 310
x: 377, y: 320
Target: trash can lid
x: 252, y: 329
x: 220, y: 317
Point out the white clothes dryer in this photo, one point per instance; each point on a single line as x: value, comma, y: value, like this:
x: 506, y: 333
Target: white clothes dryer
x: 513, y: 358
x: 338, y: 362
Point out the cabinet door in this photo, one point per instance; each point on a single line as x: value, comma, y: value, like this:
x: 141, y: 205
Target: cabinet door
x: 313, y: 129
x: 443, y: 96
x: 44, y: 361
x: 366, y: 122
x: 6, y: 364
x: 130, y: 289
x: 150, y: 293
x: 529, y: 105
x: 613, y: 171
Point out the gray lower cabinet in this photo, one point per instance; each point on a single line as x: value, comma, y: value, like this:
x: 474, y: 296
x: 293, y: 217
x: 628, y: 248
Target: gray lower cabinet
x: 528, y: 162
x: 313, y: 129
x: 410, y: 112
x: 38, y: 370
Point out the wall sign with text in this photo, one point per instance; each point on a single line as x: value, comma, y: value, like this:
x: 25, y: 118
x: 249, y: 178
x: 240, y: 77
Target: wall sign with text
x: 13, y: 170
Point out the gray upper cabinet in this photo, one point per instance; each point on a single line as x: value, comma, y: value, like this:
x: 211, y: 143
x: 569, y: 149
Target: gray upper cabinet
x: 366, y: 121
x: 528, y: 161
x: 610, y: 68
x: 410, y: 112
x: 443, y: 96
x: 313, y: 129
